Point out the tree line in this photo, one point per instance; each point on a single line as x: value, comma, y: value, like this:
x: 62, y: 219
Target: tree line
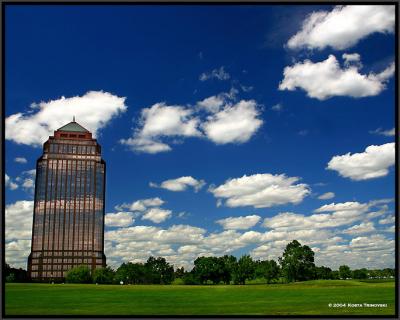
x: 295, y: 264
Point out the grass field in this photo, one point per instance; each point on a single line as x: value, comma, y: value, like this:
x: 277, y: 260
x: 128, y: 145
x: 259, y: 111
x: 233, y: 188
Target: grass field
x: 301, y: 298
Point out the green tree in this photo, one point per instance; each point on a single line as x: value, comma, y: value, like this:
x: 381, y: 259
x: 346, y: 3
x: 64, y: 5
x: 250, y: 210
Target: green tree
x: 15, y: 275
x: 219, y: 270
x: 388, y: 272
x: 267, y: 269
x: 323, y: 273
x: 244, y: 270
x: 7, y: 270
x: 80, y: 274
x: 190, y: 278
x: 122, y: 274
x: 374, y: 273
x: 137, y: 273
x: 344, y: 272
x: 103, y: 275
x: 132, y: 273
x: 10, y: 277
x: 271, y: 270
x: 159, y: 271
x: 228, y: 267
x: 215, y: 272
x: 202, y: 269
x: 360, y: 274
x: 215, y: 269
x: 297, y: 262
x: 179, y: 272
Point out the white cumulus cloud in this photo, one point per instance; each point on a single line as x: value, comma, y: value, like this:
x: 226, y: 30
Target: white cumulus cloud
x: 289, y: 221
x: 233, y: 124
x: 387, y: 133
x: 161, y: 120
x: 20, y: 160
x: 239, y: 223
x: 219, y: 74
x: 364, y: 227
x: 18, y: 220
x: 325, y: 79
x: 327, y: 195
x: 372, y: 251
x: 28, y: 183
x: 352, y: 59
x: 277, y: 107
x: 374, y: 162
x: 27, y: 180
x: 93, y: 110
x: 9, y: 183
x: 143, y: 144
x: 387, y: 220
x: 17, y: 252
x: 374, y: 242
x: 180, y: 184
x: 157, y: 215
x: 261, y: 190
x: 328, y: 216
x: 212, y: 104
x: 141, y: 205
x: 322, y: 230
x: 391, y: 229
x: 352, y: 206
x: 343, y: 27
x: 217, y: 118
x: 148, y: 209
x: 119, y: 219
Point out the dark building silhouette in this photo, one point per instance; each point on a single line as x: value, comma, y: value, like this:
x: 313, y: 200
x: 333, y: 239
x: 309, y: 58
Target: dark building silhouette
x: 68, y: 220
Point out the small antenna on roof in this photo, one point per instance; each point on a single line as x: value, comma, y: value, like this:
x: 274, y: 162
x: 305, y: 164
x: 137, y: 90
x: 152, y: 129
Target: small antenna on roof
x: 73, y: 118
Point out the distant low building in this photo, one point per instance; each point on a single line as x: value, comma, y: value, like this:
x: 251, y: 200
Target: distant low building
x: 68, y: 220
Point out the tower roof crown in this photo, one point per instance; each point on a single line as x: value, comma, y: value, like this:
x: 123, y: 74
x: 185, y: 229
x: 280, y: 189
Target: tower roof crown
x: 73, y: 127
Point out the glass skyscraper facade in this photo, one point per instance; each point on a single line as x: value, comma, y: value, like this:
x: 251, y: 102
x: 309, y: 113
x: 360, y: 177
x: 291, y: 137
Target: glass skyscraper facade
x: 68, y: 220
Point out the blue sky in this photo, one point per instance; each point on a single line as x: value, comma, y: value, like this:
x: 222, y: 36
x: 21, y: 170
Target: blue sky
x: 261, y: 110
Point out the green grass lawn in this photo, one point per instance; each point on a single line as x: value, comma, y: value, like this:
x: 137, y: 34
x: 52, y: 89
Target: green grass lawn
x: 301, y: 298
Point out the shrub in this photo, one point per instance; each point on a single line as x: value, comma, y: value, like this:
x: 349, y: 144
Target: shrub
x: 103, y: 275
x: 79, y: 274
x: 190, y: 278
x: 360, y: 274
x: 10, y: 278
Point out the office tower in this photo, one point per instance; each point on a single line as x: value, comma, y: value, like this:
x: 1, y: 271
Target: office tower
x: 68, y: 219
